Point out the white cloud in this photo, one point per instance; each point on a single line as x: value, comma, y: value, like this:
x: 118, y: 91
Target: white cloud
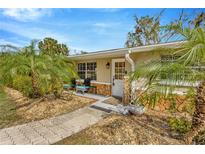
x: 4, y: 42
x: 33, y: 32
x: 25, y: 14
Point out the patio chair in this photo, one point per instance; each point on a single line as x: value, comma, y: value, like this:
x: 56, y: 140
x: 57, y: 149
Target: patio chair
x: 85, y: 87
x: 70, y: 86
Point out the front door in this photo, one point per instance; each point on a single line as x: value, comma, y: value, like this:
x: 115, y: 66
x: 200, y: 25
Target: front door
x: 118, y: 72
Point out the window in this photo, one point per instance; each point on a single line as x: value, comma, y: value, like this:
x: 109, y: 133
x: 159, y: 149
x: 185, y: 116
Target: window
x: 91, y: 73
x: 81, y: 70
x: 173, y: 58
x: 87, y: 70
x: 119, y: 70
x: 169, y: 58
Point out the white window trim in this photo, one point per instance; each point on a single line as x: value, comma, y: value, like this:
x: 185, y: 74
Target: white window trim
x: 87, y: 70
x: 94, y: 81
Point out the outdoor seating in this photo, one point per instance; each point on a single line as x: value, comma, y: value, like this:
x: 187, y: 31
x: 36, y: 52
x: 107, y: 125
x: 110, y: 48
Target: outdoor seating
x: 70, y: 86
x: 84, y: 87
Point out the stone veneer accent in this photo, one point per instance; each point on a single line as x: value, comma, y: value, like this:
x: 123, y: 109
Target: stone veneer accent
x: 126, y: 90
x: 102, y: 89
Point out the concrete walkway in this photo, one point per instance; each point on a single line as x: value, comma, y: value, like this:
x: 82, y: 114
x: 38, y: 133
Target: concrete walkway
x: 51, y: 130
x: 100, y: 98
x: 100, y: 103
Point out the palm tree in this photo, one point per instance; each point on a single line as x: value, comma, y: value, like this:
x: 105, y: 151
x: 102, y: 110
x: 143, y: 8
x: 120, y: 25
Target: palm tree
x: 185, y: 69
x: 46, y: 73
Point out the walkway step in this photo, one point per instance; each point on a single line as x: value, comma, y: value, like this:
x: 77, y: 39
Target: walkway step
x: 100, y: 108
x: 106, y: 106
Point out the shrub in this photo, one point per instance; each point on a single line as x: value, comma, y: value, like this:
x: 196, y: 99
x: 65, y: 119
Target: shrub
x: 23, y: 84
x: 181, y: 125
x: 36, y: 75
x: 50, y: 86
x: 190, y: 107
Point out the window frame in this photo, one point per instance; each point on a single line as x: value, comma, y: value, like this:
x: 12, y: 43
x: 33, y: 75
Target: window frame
x: 82, y: 70
x: 87, y: 70
x: 169, y: 58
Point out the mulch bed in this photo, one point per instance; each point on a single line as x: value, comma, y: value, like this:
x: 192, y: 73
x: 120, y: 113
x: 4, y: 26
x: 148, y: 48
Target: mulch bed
x: 117, y: 129
x: 43, y: 109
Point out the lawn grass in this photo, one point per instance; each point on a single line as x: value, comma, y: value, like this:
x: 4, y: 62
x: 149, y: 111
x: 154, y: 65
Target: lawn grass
x: 7, y: 110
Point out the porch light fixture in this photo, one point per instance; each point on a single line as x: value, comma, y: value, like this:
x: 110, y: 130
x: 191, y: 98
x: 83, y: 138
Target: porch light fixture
x: 108, y: 65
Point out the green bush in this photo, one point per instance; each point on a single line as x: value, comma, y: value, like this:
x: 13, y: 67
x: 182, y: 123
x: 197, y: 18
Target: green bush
x: 181, y: 125
x: 190, y: 107
x: 23, y: 84
x: 19, y: 69
x: 49, y: 87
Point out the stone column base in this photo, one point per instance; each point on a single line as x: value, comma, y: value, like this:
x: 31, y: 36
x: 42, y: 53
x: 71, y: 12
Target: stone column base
x: 126, y: 91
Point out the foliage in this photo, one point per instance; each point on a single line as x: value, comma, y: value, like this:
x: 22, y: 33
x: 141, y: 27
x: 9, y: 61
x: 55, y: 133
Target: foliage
x: 190, y: 107
x: 50, y: 46
x: 163, y: 78
x: 179, y: 125
x: 150, y: 30
x: 23, y: 84
x: 146, y: 31
x: 35, y: 75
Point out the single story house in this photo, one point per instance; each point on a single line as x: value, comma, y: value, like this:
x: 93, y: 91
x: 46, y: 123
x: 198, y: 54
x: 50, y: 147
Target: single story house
x: 108, y: 68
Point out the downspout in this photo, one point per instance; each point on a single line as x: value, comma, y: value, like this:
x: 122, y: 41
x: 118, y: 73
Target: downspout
x: 132, y: 63
x: 130, y: 60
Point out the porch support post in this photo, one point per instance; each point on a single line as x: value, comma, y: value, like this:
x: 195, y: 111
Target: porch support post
x: 129, y: 88
x: 126, y: 91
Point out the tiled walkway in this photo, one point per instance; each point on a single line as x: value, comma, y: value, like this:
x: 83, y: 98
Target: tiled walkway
x: 51, y: 130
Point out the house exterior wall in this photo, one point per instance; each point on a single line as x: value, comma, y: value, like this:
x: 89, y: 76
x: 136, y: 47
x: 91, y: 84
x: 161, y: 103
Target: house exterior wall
x: 103, y: 81
x: 144, y: 57
x: 102, y: 89
x: 104, y: 76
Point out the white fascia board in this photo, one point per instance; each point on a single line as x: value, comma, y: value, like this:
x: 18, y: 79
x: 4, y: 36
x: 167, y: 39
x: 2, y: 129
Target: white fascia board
x: 122, y: 51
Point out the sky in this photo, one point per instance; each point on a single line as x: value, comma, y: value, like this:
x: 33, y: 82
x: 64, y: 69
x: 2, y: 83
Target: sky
x: 80, y: 29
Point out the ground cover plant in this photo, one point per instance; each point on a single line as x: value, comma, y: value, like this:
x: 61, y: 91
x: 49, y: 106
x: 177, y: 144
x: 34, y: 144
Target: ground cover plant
x: 31, y: 83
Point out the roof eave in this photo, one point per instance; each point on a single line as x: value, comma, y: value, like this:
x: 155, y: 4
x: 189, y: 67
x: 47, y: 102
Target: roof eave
x: 122, y: 51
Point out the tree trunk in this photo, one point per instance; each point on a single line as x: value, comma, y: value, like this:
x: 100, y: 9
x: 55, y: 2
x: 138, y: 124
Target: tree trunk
x: 34, y: 85
x: 198, y: 121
